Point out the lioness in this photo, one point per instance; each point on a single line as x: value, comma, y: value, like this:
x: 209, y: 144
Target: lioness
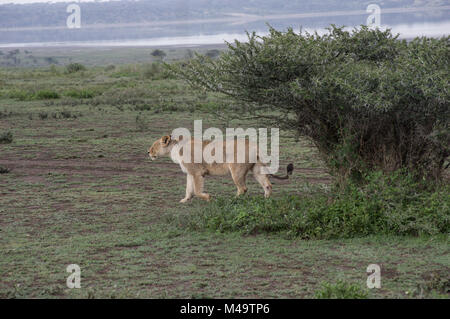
x: 167, y: 146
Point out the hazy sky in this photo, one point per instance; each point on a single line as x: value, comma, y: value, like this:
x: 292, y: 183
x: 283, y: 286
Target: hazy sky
x: 52, y: 1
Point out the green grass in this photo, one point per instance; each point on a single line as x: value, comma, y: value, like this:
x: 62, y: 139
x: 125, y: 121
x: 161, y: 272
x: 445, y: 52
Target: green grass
x: 341, y: 290
x: 392, y: 205
x: 80, y: 94
x: 22, y: 95
x: 81, y: 189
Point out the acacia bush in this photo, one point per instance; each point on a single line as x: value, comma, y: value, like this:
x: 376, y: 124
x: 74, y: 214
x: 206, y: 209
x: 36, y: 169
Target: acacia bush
x: 367, y: 100
x: 158, y: 54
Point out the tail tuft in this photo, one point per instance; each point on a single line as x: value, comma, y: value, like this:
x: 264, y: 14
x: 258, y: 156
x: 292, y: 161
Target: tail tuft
x: 290, y: 169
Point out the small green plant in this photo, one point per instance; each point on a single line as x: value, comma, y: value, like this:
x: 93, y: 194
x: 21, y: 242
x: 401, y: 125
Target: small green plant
x: 141, y: 123
x: 434, y: 285
x: 155, y: 71
x: 53, y: 70
x: 81, y: 94
x: 21, y: 95
x: 340, y: 290
x: 4, y: 170
x: 150, y: 71
x: 5, y: 114
x: 75, y: 67
x: 43, y: 115
x: 15, y: 292
x: 65, y: 114
x: 6, y: 138
x: 46, y: 94
x: 438, y: 281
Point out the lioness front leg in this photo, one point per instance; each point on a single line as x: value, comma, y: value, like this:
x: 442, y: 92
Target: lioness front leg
x: 189, y: 188
x: 198, y: 188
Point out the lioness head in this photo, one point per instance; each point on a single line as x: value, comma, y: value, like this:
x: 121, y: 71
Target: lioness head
x: 160, y: 147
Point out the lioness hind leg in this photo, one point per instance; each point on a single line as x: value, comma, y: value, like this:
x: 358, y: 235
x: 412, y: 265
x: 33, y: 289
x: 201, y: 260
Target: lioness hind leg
x: 198, y: 188
x: 262, y: 179
x: 239, y: 180
x: 189, y: 188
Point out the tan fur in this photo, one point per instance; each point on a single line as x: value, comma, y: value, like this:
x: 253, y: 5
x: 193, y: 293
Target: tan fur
x: 196, y: 172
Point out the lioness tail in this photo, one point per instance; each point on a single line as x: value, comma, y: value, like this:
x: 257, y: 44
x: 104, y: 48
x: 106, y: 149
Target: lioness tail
x: 289, y: 170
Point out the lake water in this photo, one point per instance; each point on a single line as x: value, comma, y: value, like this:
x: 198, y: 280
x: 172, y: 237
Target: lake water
x: 408, y: 22
x: 405, y: 31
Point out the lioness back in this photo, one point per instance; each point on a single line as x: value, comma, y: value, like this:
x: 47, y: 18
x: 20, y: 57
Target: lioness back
x: 235, y: 154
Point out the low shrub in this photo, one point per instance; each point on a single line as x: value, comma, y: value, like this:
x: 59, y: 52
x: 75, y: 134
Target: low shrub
x: 4, y: 170
x: 46, y: 94
x: 141, y: 123
x: 133, y: 97
x: 6, y: 138
x: 390, y: 205
x: 22, y: 95
x: 435, y: 284
x: 43, y: 115
x: 75, y: 67
x: 65, y: 115
x: 5, y: 114
x: 81, y: 94
x: 156, y: 71
x: 59, y: 115
x: 151, y: 70
x: 340, y: 290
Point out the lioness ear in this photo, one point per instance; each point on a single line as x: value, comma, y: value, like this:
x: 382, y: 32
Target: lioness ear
x: 166, y: 139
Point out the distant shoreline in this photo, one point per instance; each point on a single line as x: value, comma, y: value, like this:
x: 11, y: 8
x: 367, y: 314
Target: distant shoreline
x: 405, y: 32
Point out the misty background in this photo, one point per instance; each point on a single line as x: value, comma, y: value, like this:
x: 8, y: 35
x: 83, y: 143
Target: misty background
x: 189, y: 22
